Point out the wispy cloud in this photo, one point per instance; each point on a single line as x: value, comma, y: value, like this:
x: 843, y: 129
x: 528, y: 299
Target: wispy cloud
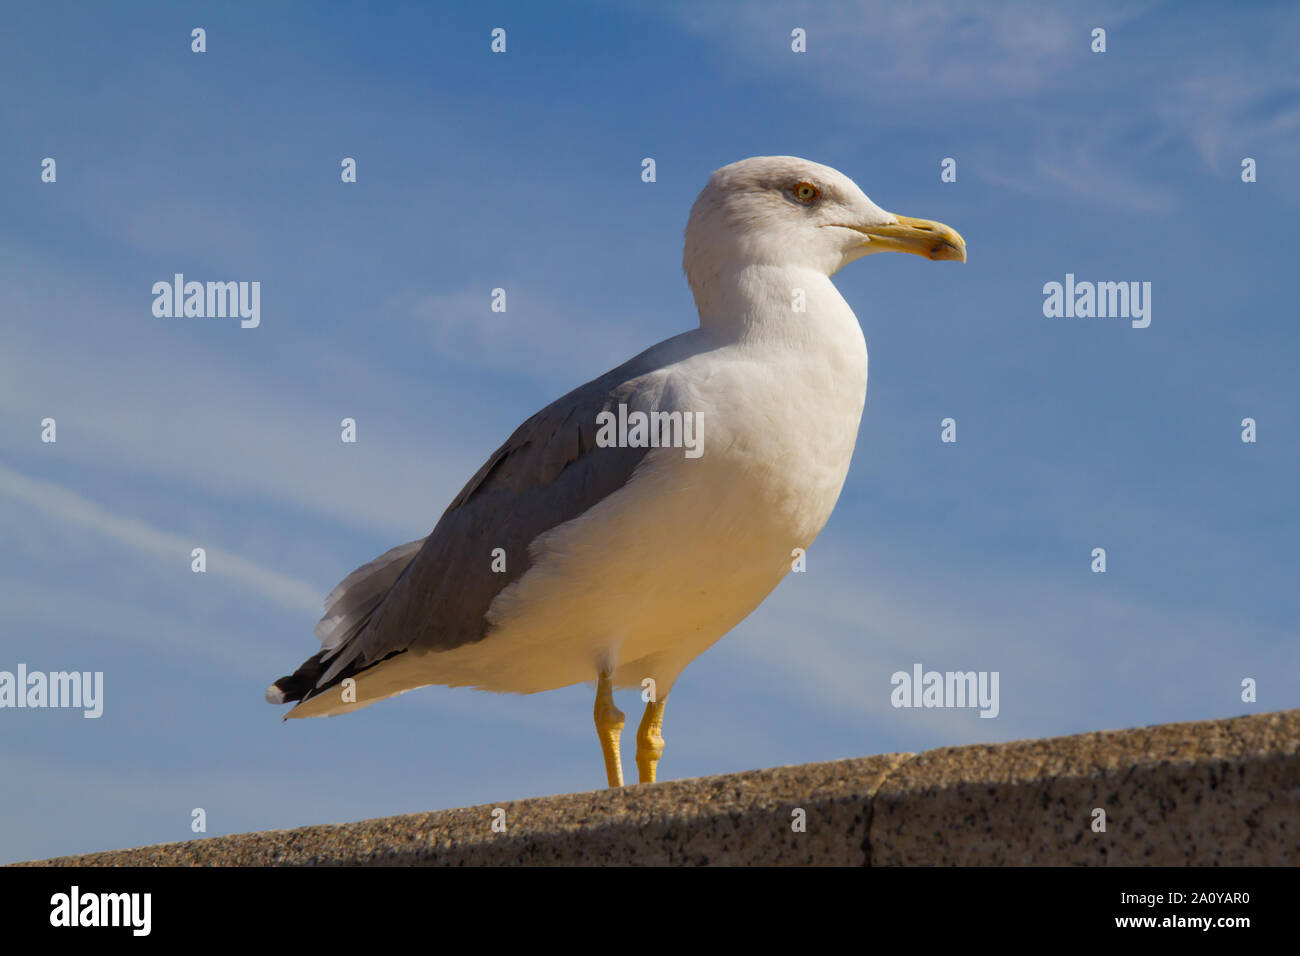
x: 836, y: 633
x: 896, y: 54
x: 1253, y: 110
x: 189, y: 409
x: 540, y: 335
x: 1056, y: 163
x: 920, y: 61
x: 67, y: 506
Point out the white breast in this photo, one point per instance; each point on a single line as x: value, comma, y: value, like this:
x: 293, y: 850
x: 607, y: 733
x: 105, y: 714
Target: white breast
x: 657, y: 572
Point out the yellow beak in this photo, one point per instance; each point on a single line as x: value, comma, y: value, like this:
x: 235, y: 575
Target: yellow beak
x: 920, y: 237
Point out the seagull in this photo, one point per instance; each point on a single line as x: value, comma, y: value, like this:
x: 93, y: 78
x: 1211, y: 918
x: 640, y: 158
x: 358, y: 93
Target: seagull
x: 626, y: 527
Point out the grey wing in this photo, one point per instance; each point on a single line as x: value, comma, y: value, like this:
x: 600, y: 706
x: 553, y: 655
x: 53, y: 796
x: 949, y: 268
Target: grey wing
x: 349, y: 606
x: 548, y: 472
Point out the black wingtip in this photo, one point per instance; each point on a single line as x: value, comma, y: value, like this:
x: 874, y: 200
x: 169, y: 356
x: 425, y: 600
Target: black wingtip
x: 304, y: 683
x: 299, y: 684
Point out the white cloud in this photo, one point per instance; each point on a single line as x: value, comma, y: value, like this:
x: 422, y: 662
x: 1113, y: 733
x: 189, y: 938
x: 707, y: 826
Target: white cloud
x: 1076, y: 651
x: 70, y: 507
x: 549, y: 339
x: 990, y: 68
x: 158, y: 400
x: 1227, y: 115
x: 895, y: 53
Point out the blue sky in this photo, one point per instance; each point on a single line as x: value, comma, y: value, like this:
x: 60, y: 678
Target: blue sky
x: 522, y: 171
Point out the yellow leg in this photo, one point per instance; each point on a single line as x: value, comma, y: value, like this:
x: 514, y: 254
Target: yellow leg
x: 609, y: 725
x: 649, y: 740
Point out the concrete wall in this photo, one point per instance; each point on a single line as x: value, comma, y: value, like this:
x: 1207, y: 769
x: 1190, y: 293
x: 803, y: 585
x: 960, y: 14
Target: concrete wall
x: 1212, y: 792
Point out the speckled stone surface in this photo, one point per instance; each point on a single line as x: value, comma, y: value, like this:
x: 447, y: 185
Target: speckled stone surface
x: 742, y: 818
x: 1214, y: 792
x: 1221, y: 792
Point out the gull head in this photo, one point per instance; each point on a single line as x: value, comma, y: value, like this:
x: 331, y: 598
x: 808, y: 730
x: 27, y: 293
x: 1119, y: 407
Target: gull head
x: 787, y: 211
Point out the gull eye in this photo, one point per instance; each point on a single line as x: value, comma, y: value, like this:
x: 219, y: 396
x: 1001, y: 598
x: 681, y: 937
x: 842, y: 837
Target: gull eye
x: 806, y: 192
